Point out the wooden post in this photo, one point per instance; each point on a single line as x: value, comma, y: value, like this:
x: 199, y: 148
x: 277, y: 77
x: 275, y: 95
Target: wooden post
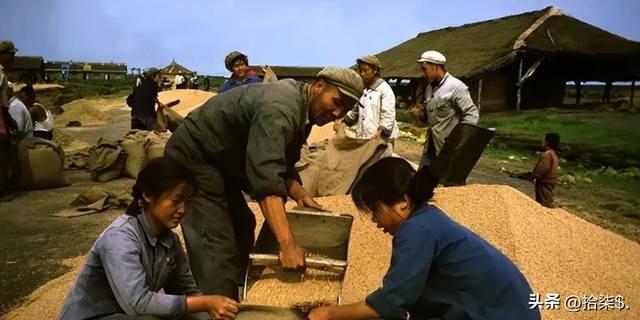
x: 633, y: 87
x: 609, y: 89
x: 519, y: 87
x: 578, y: 87
x: 479, y: 95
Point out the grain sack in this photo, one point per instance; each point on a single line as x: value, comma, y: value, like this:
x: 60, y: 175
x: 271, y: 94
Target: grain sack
x: 133, y: 144
x: 168, y: 119
x: 341, y: 162
x: 106, y: 161
x: 41, y: 165
x: 269, y: 75
x: 155, y: 143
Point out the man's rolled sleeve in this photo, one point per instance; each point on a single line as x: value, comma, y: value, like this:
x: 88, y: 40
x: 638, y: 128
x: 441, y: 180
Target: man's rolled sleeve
x: 404, y: 283
x: 266, y: 164
x: 468, y: 110
x: 120, y: 256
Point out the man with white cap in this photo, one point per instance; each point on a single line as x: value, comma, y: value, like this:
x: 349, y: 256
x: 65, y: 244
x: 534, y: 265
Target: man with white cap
x: 447, y: 103
x: 248, y: 140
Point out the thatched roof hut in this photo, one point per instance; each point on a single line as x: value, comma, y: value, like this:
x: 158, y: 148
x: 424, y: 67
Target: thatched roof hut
x: 552, y: 46
x: 283, y: 72
x: 174, y: 69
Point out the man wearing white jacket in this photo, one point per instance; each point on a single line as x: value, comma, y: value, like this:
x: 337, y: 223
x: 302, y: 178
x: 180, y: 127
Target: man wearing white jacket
x: 376, y: 114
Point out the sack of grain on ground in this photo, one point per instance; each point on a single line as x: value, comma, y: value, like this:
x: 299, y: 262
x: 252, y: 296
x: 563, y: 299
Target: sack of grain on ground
x: 133, y: 144
x: 106, y: 161
x: 41, y: 165
x: 155, y: 143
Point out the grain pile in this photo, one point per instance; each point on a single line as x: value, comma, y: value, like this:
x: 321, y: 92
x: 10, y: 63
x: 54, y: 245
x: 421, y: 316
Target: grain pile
x: 88, y: 112
x: 47, y: 301
x: 556, y: 251
x: 278, y: 288
x: 189, y: 99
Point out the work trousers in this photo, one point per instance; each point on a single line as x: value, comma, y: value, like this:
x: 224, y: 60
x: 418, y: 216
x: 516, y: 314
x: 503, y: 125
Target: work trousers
x: 544, y: 194
x: 218, y: 227
x: 5, y: 164
x: 429, y: 153
x: 140, y: 122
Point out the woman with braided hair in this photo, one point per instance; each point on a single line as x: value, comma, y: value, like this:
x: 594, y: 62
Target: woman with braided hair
x: 138, y: 255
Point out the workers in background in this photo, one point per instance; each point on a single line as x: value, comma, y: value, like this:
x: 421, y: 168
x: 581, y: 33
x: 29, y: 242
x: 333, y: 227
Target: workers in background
x: 7, y: 57
x: 376, y: 114
x: 439, y: 269
x: 43, y: 122
x: 180, y: 81
x: 138, y: 255
x: 18, y: 109
x: 447, y: 103
x: 145, y: 98
x: 140, y: 78
x: 238, y: 64
x: 248, y: 140
x: 193, y: 81
x: 545, y: 174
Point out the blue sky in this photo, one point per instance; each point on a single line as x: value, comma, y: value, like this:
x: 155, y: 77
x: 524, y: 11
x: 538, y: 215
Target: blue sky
x: 199, y: 34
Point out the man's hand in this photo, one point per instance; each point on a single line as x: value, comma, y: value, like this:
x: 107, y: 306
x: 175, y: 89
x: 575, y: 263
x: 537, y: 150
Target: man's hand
x: 417, y: 111
x: 534, y: 181
x: 292, y: 257
x: 220, y: 307
x: 377, y: 135
x: 319, y: 313
x: 308, y: 202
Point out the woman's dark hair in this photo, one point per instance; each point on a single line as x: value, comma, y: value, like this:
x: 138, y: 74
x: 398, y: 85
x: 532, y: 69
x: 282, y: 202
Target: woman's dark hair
x: 388, y: 180
x: 158, y: 177
x: 553, y: 139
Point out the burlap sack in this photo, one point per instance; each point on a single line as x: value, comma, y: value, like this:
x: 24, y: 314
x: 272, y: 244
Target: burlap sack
x: 269, y: 75
x: 134, y: 145
x: 335, y: 166
x: 41, y: 165
x: 106, y: 161
x: 168, y: 119
x: 155, y: 143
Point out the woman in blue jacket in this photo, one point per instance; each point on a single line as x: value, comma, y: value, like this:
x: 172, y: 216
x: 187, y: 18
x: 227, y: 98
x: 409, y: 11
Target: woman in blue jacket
x: 138, y: 255
x: 439, y: 269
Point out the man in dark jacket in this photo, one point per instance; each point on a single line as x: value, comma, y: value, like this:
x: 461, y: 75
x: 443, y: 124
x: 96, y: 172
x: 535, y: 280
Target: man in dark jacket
x: 249, y: 139
x: 143, y: 104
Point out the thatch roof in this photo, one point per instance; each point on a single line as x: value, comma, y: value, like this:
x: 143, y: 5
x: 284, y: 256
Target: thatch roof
x: 174, y: 68
x: 95, y: 67
x: 482, y: 47
x: 27, y: 63
x: 290, y: 71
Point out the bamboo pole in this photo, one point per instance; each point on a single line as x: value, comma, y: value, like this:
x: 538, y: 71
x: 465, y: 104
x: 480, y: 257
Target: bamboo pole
x: 519, y: 87
x: 633, y: 87
x: 480, y: 95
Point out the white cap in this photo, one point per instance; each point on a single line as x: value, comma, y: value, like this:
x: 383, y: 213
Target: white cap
x: 433, y: 57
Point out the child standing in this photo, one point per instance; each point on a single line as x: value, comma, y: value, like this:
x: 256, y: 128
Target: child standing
x: 545, y: 174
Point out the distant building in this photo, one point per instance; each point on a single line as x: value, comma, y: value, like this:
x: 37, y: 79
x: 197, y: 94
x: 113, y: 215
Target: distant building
x: 27, y: 70
x: 84, y: 70
x: 290, y: 72
x: 546, y: 48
